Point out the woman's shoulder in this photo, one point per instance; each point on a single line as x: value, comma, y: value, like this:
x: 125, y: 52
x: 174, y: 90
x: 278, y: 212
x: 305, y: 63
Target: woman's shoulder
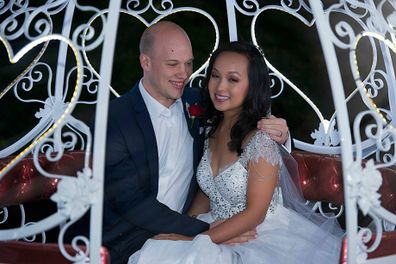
x: 257, y: 137
x: 258, y: 144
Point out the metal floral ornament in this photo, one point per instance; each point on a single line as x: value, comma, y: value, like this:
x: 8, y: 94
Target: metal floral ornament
x: 75, y: 195
x: 367, y: 180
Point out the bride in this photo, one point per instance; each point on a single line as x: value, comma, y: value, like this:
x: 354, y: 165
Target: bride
x: 244, y: 180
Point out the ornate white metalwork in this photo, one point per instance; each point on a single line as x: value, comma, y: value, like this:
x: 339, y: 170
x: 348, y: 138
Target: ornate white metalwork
x: 326, y: 135
x: 341, y: 26
x: 75, y: 195
x: 54, y: 116
x: 4, y: 214
x: 365, y: 183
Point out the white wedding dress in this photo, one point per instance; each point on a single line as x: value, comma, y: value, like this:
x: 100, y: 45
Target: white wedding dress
x: 284, y: 237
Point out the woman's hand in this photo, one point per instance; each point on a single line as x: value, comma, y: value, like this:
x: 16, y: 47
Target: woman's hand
x: 172, y: 236
x: 242, y: 238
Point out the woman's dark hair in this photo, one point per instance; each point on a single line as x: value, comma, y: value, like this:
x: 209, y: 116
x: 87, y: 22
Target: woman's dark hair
x: 257, y: 103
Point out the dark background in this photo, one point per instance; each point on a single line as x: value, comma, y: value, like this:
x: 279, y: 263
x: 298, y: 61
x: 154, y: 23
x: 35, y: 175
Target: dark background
x: 288, y: 44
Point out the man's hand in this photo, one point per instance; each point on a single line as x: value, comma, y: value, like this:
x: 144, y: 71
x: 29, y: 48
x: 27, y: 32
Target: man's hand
x: 172, y: 236
x: 275, y: 127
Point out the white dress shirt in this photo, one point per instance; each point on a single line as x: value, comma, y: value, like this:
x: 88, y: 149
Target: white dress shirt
x: 175, y: 150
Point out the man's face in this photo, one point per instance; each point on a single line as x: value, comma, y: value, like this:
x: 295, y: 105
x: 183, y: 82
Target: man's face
x: 168, y: 69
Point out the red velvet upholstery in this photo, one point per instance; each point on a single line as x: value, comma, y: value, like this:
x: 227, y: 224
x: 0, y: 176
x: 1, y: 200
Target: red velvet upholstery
x: 320, y: 176
x: 24, y: 184
x: 321, y: 179
x: 17, y: 252
x: 385, y: 248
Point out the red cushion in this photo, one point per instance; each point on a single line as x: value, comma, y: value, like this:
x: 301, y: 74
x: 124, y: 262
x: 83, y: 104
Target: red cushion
x: 321, y: 179
x: 385, y: 248
x: 23, y: 183
x: 29, y: 253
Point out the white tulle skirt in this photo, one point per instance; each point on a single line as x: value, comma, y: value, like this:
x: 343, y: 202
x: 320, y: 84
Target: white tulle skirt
x: 285, y: 237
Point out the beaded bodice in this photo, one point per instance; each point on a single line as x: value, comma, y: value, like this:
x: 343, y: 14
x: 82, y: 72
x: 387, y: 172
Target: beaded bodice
x: 227, y: 190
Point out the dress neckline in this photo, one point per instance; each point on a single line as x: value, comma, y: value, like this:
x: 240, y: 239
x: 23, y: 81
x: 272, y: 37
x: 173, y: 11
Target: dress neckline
x: 221, y: 170
x: 227, y: 166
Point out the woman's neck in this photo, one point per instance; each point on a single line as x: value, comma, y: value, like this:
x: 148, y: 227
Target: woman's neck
x: 229, y: 120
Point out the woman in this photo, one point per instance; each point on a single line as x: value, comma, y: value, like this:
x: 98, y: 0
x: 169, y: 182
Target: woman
x: 244, y: 181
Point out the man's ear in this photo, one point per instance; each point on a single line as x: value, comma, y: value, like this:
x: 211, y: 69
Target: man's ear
x: 144, y: 61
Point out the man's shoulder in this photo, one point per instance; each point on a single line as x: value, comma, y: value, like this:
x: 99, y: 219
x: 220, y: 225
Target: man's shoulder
x: 192, y: 94
x: 125, y: 99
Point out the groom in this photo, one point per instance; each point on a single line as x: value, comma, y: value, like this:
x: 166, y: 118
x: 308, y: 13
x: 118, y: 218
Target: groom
x: 151, y: 151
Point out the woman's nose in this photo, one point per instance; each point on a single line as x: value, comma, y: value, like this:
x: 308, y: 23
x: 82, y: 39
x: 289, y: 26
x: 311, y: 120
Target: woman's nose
x: 221, y: 85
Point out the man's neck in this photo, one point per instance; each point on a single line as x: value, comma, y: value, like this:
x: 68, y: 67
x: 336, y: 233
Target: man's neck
x: 164, y: 101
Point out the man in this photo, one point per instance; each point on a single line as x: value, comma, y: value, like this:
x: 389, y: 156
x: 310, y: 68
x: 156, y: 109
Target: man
x: 152, y: 150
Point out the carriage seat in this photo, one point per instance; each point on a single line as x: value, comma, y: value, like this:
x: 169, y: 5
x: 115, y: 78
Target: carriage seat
x: 23, y: 184
x: 320, y: 180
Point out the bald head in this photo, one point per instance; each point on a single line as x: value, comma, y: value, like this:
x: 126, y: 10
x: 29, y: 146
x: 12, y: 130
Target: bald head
x: 159, y: 32
x: 166, y: 59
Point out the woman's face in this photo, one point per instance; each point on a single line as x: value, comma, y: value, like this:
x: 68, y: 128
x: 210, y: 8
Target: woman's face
x: 229, y: 82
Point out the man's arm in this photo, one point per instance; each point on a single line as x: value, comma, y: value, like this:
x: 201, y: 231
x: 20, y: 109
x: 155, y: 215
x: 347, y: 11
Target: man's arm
x: 199, y: 205
x: 128, y: 191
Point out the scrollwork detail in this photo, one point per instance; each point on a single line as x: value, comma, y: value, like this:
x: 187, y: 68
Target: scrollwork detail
x: 4, y: 214
x: 34, y: 75
x: 276, y: 82
x: 336, y: 210
x: 80, y: 245
x: 248, y: 7
x: 90, y: 82
x: 133, y: 7
x: 365, y: 235
x: 374, y: 84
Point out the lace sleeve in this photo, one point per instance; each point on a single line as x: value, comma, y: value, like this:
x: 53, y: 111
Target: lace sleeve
x: 261, y: 146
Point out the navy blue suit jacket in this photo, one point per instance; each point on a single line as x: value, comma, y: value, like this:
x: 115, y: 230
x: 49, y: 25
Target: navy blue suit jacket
x: 132, y: 214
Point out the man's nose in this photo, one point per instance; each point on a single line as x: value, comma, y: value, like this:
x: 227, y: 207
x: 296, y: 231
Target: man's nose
x: 183, y: 72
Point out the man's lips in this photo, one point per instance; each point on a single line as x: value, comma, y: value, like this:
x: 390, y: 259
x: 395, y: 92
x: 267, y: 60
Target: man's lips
x: 177, y: 85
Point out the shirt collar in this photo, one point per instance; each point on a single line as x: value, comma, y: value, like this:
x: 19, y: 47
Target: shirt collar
x: 155, y: 108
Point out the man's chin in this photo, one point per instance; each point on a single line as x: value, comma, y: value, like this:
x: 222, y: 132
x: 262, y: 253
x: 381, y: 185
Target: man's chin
x: 178, y: 94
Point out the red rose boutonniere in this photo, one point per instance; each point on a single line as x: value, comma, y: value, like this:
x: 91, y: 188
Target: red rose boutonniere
x: 194, y: 111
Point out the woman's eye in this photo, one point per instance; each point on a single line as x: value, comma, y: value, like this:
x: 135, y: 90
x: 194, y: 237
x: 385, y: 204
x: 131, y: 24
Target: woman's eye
x: 213, y: 75
x: 234, y: 80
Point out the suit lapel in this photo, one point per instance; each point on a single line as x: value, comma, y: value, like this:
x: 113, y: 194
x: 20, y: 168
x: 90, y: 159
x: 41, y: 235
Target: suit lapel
x: 187, y: 116
x: 147, y: 132
x: 197, y: 145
